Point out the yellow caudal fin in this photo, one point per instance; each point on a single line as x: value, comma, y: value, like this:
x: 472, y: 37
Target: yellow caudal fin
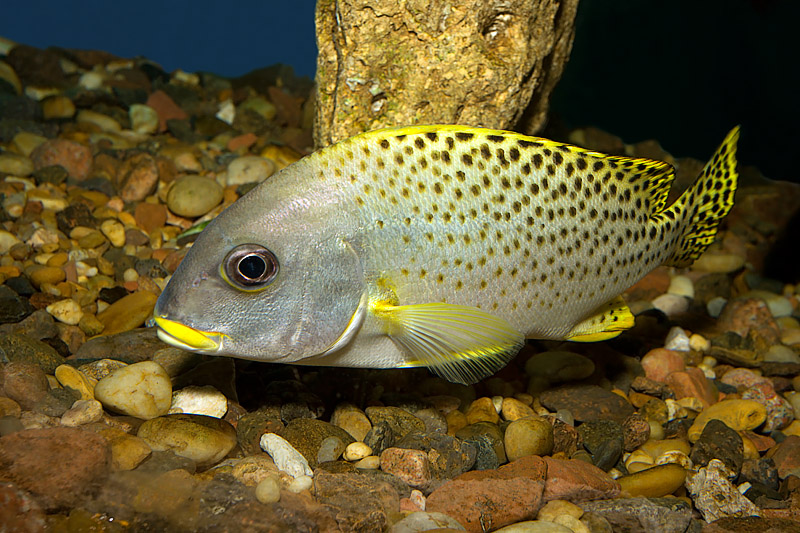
x: 458, y: 343
x: 608, y: 321
x: 701, y: 208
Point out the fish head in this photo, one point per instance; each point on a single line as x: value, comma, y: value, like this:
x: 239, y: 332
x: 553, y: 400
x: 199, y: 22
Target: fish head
x: 272, y: 278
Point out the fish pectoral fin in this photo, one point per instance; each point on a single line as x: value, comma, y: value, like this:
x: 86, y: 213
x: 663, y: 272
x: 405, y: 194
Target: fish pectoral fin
x: 458, y: 343
x: 608, y: 321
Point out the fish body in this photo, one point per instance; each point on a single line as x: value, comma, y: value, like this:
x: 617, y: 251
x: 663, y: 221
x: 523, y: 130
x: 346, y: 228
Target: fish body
x: 438, y: 246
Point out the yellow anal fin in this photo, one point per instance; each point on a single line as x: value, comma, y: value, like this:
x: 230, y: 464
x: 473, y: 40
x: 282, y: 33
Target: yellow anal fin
x: 458, y: 343
x: 608, y: 321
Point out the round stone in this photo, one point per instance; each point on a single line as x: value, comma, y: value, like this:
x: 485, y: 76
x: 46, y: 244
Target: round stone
x: 351, y: 419
x: 681, y: 286
x: 144, y: 119
x: 513, y: 409
x: 127, y: 313
x: 419, y: 521
x: 528, y: 436
x: 203, y: 439
x: 205, y: 400
x: 300, y: 483
x: 56, y: 107
x: 193, y: 196
x: 356, y: 451
x: 43, y: 274
x: 719, y: 263
x: 268, y: 490
x: 330, y: 449
x: 482, y: 410
x: 142, y: 390
x: 671, y: 304
x: 286, y: 457
x: 249, y: 169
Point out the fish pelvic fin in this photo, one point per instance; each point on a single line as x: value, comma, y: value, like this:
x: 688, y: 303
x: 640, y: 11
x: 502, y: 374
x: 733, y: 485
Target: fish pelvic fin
x: 459, y: 343
x: 606, y: 322
x: 701, y: 208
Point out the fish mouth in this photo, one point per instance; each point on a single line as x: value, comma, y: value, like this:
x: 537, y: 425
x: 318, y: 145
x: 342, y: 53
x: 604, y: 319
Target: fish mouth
x: 187, y: 338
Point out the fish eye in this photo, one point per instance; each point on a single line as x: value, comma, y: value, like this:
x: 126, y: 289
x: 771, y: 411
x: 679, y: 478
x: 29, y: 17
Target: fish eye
x: 250, y: 266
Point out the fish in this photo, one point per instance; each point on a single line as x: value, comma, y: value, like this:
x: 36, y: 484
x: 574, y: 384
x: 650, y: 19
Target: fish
x: 437, y: 246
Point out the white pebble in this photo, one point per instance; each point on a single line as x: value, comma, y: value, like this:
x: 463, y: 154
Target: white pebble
x: 249, y: 169
x: 144, y: 119
x: 418, y: 499
x: 671, y: 304
x: 681, y: 286
x: 67, y: 311
x: 677, y: 340
x: 715, y: 305
x: 356, y: 451
x: 82, y: 412
x: 205, y: 400
x: 497, y: 402
x: 300, y: 483
x: 268, y: 490
x: 227, y: 112
x: 142, y: 390
x: 130, y: 275
x: 286, y: 457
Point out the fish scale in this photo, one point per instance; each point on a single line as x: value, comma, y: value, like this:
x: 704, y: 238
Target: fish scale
x: 437, y: 246
x: 530, y: 230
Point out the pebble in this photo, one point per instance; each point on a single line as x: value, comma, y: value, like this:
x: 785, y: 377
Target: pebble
x: 44, y: 275
x: 300, y: 483
x: 778, y: 353
x: 268, y: 490
x: 778, y: 305
x: 66, y: 311
x: 114, y: 232
x: 677, y: 340
x: 420, y: 521
x: 142, y: 390
x: 249, y: 169
x: 74, y: 157
x: 681, y: 286
x: 719, y: 263
x: 739, y: 415
x: 82, y: 412
x: 351, y: 419
x: 25, y: 383
x: 355, y: 451
x: 203, y: 439
x: 199, y: 400
x: 371, y: 462
x: 411, y: 466
x: 536, y: 526
x: 715, y: 306
x: 716, y: 497
x: 9, y: 407
x: 193, y: 196
x: 286, y: 457
x: 15, y: 164
x: 57, y: 107
x: 528, y: 436
x: 144, y: 119
x: 128, y: 312
x: 671, y: 304
x: 653, y: 482
x: 399, y: 420
x: 482, y: 410
x: 127, y: 451
x: 330, y: 449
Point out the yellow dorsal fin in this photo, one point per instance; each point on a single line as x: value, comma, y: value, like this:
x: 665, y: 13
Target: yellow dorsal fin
x: 608, y: 321
x: 652, y: 177
x: 459, y: 343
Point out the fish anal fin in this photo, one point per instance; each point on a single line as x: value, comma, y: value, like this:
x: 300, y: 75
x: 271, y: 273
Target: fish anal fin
x: 459, y: 343
x: 608, y: 321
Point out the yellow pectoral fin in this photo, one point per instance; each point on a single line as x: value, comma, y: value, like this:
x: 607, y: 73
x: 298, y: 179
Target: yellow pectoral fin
x: 459, y: 343
x: 608, y: 321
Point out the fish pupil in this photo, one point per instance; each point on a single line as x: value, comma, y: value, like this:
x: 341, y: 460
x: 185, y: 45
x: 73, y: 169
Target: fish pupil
x: 252, y: 266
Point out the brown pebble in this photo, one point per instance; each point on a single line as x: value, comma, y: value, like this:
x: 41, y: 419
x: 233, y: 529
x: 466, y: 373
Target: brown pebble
x: 74, y: 157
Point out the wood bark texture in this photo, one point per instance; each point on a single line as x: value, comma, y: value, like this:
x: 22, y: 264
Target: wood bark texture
x: 490, y: 63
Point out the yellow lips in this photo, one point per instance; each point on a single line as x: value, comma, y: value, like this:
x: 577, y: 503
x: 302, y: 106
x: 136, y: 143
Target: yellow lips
x: 177, y: 334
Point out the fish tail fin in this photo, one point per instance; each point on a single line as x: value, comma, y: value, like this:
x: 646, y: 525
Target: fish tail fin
x: 701, y: 208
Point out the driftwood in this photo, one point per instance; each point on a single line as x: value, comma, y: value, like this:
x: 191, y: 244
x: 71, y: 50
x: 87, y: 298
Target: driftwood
x: 489, y: 63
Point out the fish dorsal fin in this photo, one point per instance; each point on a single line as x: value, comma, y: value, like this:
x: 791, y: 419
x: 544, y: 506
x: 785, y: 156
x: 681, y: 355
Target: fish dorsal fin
x: 458, y: 343
x: 650, y: 179
x: 607, y: 321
